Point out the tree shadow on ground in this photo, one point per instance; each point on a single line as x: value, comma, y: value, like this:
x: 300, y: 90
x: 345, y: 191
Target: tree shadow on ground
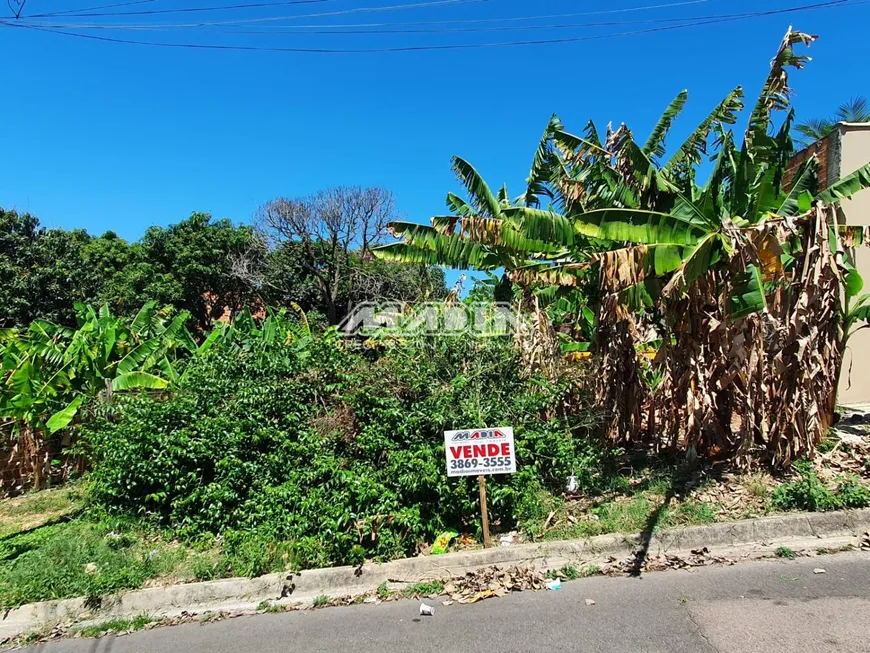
x: 682, y: 477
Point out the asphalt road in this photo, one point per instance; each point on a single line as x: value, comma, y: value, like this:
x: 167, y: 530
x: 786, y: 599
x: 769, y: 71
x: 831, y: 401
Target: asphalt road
x: 769, y: 607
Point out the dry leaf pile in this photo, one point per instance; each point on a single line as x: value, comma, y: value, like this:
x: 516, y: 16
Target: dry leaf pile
x: 492, y: 581
x: 640, y: 563
x: 732, y: 499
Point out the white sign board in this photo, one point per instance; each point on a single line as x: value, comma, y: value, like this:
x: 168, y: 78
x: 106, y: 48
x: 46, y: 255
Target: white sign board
x: 472, y: 452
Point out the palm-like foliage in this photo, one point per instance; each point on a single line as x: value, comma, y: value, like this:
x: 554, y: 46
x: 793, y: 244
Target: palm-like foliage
x: 615, y: 195
x: 705, y: 256
x: 855, y: 110
x: 48, y: 371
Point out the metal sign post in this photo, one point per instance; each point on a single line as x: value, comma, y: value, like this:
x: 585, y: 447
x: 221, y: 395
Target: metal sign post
x: 480, y: 452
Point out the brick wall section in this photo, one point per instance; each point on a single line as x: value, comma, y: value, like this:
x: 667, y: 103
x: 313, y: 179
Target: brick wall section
x: 822, y: 150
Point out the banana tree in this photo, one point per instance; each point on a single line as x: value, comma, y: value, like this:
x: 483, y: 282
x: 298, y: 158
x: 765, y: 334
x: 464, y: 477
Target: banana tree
x: 725, y: 246
x: 49, y: 373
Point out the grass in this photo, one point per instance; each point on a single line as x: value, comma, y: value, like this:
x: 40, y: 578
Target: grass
x: 321, y: 601
x: 268, y: 606
x: 77, y: 559
x: 635, y: 514
x: 89, y: 558
x: 784, y: 552
x: 116, y: 626
x: 426, y: 588
x: 35, y: 509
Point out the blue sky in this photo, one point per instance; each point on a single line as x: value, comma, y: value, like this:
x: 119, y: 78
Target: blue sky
x: 103, y: 135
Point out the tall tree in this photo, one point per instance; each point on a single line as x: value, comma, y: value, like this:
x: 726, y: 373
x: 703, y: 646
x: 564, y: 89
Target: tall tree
x: 330, y: 228
x: 189, y: 265
x: 42, y: 271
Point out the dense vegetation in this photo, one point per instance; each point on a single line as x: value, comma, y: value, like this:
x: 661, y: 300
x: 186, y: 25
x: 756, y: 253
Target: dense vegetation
x: 198, y: 378
x: 619, y: 237
x: 313, y: 443
x: 209, y: 268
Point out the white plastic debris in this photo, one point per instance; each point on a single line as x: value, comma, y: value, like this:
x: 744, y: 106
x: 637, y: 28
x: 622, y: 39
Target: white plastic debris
x: 370, y: 599
x: 554, y: 584
x: 427, y: 610
x: 590, y: 602
x: 818, y: 570
x: 572, y: 483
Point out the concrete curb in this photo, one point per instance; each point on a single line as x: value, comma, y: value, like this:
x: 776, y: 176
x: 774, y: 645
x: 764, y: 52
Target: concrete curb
x: 241, y: 594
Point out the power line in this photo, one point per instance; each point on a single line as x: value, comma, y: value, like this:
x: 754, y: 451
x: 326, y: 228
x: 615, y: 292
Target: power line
x: 241, y: 21
x: 75, y: 11
x: 711, y: 20
x: 508, y: 19
x: 250, y: 5
x: 503, y: 28
x: 151, y: 26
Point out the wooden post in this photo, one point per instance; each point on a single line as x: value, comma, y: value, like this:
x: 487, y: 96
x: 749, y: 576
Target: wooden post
x: 483, y: 512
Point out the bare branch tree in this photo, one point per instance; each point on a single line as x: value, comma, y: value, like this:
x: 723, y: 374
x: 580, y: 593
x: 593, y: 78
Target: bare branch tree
x: 333, y: 226
x: 249, y: 265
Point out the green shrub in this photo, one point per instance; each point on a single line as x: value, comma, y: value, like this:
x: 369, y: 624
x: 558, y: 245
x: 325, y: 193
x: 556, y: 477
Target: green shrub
x: 342, y: 456
x: 851, y: 493
x: 809, y: 493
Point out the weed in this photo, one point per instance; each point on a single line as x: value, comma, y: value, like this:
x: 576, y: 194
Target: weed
x: 756, y: 486
x: 209, y: 617
x: 691, y: 512
x: 141, y: 620
x: 807, y: 493
x: 827, y: 445
x: 590, y: 570
x: 76, y: 559
x: 321, y: 601
x: 116, y: 626
x: 565, y: 573
x: 426, y: 588
x: 784, y: 552
x: 205, y: 568
x: 272, y: 608
x: 851, y: 493
x: 383, y: 591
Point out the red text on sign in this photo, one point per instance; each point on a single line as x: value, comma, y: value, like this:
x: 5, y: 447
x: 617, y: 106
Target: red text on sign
x: 481, y: 450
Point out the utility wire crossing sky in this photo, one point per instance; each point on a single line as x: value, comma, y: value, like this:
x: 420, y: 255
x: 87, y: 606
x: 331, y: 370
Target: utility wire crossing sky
x: 111, y: 22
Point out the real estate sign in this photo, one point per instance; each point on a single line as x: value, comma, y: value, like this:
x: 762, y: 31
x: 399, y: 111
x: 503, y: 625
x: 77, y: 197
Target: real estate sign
x: 475, y: 452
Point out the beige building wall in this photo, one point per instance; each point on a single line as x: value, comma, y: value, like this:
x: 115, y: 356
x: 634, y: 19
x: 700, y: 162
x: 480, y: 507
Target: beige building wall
x: 854, y: 152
